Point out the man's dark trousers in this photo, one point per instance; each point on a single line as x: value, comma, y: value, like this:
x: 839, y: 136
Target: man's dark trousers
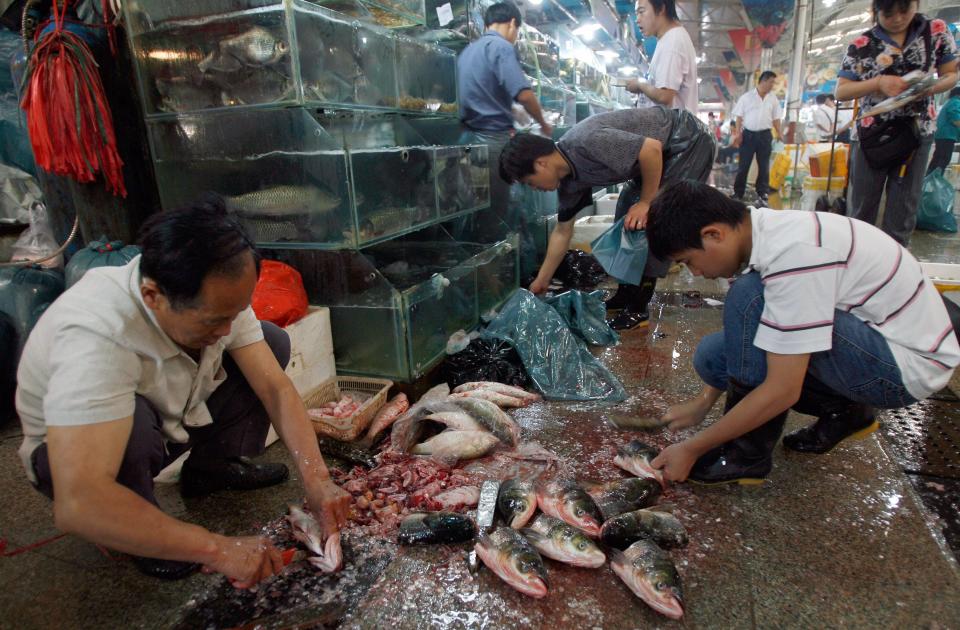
x: 240, y: 426
x: 759, y: 143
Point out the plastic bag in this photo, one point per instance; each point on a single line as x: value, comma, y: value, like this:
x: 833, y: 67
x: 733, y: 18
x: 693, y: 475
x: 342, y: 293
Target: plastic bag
x: 585, y: 314
x: 279, y: 296
x: 18, y: 192
x: 486, y: 360
x: 37, y: 242
x: 25, y: 293
x: 623, y: 253
x: 8, y: 367
x: 559, y: 364
x: 936, y: 204
x: 101, y: 253
x: 580, y: 270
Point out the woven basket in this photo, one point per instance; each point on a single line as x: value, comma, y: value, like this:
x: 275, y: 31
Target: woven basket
x: 349, y: 428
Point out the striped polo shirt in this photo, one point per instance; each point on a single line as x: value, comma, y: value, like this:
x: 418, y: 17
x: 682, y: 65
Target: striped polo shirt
x: 812, y: 263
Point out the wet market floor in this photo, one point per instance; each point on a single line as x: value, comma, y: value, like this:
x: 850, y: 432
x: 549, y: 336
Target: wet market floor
x: 843, y: 539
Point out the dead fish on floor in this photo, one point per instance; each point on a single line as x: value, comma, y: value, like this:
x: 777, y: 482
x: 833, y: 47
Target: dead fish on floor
x: 502, y: 388
x: 458, y: 498
x: 501, y: 400
x: 635, y: 422
x: 452, y: 445
x: 566, y: 500
x: 352, y: 452
x: 647, y: 570
x: 517, y: 501
x: 624, y: 495
x: 492, y: 417
x: 514, y: 560
x: 385, y: 418
x: 660, y: 527
x: 306, y: 529
x: 635, y: 457
x: 283, y: 201
x: 565, y: 543
x: 459, y: 420
x: 431, y: 528
x: 254, y: 47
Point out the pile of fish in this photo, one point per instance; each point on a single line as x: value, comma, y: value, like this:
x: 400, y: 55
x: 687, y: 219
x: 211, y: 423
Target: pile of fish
x: 632, y: 531
x: 327, y: 556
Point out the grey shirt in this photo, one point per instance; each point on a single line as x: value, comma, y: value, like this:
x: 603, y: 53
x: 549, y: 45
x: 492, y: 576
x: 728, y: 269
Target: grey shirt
x: 602, y: 151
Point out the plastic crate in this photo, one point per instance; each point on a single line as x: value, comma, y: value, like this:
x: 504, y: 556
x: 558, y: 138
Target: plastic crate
x: 349, y: 428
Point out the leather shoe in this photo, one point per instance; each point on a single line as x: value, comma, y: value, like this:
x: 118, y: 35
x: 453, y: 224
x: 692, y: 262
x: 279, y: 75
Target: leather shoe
x: 235, y: 473
x: 164, y: 569
x: 828, y: 431
x: 628, y: 320
x: 728, y: 465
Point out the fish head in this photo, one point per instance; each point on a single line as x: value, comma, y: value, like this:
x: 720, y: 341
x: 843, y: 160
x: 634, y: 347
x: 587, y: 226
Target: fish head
x: 668, y: 598
x: 531, y: 573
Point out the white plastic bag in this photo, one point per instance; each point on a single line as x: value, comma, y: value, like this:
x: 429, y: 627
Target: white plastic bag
x: 37, y: 241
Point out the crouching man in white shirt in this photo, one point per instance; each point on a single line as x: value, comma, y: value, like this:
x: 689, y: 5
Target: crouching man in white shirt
x: 830, y: 316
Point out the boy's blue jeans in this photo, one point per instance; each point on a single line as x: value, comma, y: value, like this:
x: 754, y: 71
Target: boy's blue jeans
x: 859, y: 366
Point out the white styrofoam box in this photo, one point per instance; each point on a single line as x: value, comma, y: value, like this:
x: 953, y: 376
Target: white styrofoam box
x: 589, y: 228
x: 311, y: 350
x: 607, y: 204
x: 946, y: 277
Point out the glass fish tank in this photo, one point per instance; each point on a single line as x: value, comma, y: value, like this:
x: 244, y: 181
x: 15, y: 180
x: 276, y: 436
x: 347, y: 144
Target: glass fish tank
x: 426, y: 77
x: 277, y: 170
x: 539, y: 53
x: 193, y: 62
x: 393, y: 305
x: 498, y: 271
x: 463, y: 181
x: 405, y: 11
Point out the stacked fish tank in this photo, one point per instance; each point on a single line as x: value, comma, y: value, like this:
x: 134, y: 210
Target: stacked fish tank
x: 212, y: 54
x: 303, y: 118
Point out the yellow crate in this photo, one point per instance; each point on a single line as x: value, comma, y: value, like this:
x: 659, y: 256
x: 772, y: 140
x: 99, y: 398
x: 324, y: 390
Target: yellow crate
x: 779, y: 170
x: 820, y: 161
x: 349, y: 428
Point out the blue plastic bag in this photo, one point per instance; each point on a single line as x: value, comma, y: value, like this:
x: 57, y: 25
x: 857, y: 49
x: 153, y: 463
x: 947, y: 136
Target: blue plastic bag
x: 559, y: 364
x: 936, y: 204
x: 623, y: 253
x: 586, y: 315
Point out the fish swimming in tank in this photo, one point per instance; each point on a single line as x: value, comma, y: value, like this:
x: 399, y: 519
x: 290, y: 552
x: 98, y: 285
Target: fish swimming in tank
x: 256, y: 46
x: 283, y: 201
x: 181, y: 94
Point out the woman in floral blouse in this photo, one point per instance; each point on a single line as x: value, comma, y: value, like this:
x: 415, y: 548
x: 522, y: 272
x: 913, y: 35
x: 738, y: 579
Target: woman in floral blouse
x: 872, y: 71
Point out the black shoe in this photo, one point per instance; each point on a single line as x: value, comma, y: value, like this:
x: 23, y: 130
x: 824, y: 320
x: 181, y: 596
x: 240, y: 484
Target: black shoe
x: 838, y: 419
x: 628, y: 320
x: 763, y: 201
x: 736, y: 197
x: 235, y: 473
x: 746, y: 460
x: 164, y: 569
x: 621, y: 298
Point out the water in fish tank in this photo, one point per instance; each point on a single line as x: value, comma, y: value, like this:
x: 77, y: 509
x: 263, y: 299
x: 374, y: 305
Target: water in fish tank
x: 497, y: 272
x: 197, y: 64
x: 426, y: 77
x: 408, y: 10
x: 395, y: 190
x: 457, y: 166
x: 271, y: 167
x: 344, y: 62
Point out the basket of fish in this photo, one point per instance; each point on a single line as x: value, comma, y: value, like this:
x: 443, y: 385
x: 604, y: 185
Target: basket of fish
x: 342, y: 407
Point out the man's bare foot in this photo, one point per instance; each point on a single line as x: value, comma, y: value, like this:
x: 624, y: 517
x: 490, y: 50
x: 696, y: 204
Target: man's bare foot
x: 689, y: 413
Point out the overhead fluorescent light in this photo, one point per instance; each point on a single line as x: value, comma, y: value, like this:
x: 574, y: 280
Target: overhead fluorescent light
x: 627, y: 70
x: 829, y: 3
x: 536, y: 3
x: 608, y: 54
x: 587, y: 30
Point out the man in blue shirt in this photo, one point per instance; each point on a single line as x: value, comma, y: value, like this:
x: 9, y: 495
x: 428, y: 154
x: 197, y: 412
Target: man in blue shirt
x: 490, y: 79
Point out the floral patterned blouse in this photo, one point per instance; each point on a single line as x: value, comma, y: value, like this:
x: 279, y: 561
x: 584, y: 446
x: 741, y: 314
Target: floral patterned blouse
x: 873, y: 54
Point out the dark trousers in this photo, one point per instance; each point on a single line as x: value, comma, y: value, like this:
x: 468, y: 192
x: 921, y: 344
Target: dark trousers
x: 942, y: 155
x: 240, y: 426
x: 759, y: 144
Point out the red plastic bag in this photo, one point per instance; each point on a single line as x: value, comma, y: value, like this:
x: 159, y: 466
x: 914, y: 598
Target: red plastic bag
x: 279, y: 296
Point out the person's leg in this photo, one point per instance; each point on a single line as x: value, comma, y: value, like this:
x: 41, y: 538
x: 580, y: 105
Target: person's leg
x: 747, y: 150
x: 942, y: 154
x: 866, y: 187
x: 709, y: 361
x: 844, y: 384
x: 764, y: 146
x: 219, y: 451
x: 903, y: 197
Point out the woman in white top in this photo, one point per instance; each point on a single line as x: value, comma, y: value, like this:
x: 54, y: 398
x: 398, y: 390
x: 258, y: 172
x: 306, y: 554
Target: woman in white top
x: 673, y: 68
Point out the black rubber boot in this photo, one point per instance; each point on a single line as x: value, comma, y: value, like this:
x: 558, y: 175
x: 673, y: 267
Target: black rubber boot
x: 636, y: 301
x: 838, y: 419
x: 621, y: 298
x: 745, y: 460
x: 236, y: 473
x: 164, y: 569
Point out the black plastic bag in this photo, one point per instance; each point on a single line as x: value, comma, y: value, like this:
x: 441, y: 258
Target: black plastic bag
x: 8, y: 367
x: 580, y: 270
x: 486, y: 360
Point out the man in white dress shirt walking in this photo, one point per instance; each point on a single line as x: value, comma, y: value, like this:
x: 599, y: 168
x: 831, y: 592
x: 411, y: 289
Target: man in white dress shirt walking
x: 673, y: 68
x: 757, y: 112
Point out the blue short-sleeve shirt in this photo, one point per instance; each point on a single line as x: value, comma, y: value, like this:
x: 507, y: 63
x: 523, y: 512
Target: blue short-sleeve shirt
x: 489, y: 78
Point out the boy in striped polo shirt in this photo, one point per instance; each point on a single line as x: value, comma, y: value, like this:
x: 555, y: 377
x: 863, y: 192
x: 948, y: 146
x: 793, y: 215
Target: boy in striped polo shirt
x: 830, y: 316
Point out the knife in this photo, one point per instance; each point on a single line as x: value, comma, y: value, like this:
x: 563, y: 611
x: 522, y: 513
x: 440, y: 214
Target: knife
x: 486, y: 508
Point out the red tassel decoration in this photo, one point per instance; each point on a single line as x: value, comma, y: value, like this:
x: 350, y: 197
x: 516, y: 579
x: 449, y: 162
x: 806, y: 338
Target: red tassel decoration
x: 68, y: 117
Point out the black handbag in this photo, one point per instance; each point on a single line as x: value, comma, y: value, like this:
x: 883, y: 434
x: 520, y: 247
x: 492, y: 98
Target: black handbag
x: 892, y: 142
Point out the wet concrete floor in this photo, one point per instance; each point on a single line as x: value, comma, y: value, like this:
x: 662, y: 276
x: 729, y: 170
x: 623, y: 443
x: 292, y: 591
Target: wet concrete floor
x: 837, y: 540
